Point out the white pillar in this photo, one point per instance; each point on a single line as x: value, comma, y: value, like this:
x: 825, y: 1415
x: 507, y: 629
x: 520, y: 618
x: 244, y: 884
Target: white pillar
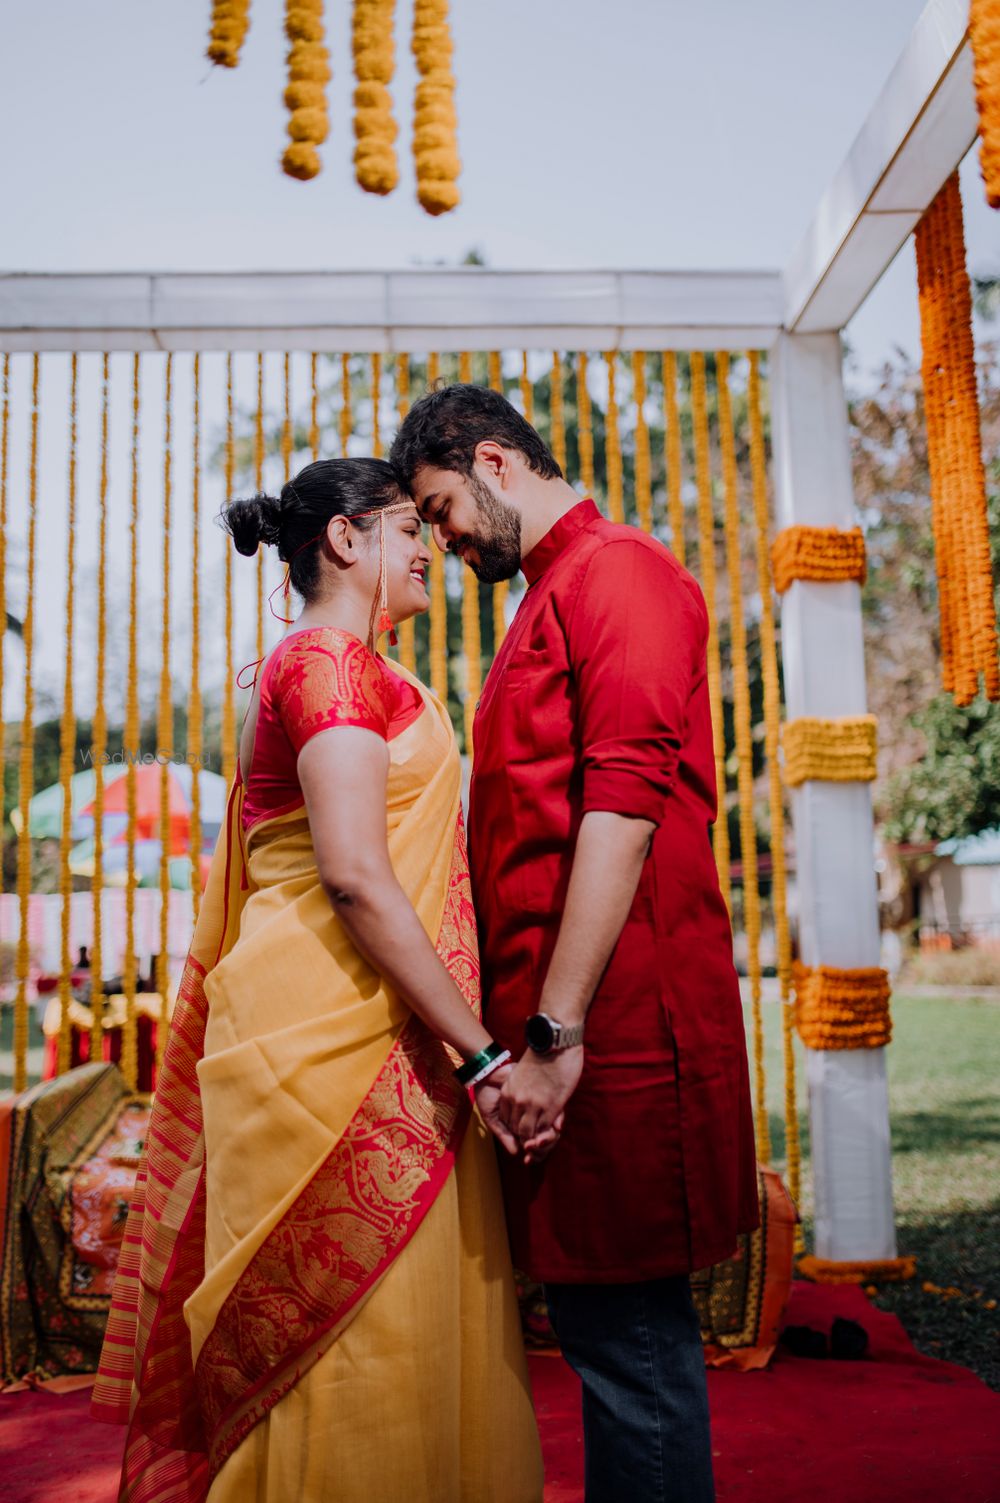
x: 824, y: 675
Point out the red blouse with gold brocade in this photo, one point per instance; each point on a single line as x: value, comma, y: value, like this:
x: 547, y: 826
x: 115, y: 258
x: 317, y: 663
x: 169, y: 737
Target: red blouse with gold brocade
x: 316, y: 679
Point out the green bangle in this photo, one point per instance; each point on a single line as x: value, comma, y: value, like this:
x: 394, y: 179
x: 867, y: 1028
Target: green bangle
x: 478, y: 1062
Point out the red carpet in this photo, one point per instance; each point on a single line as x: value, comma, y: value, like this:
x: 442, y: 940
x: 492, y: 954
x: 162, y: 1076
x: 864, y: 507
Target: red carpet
x: 896, y: 1428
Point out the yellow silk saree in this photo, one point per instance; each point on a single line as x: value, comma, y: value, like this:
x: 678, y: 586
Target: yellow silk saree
x: 314, y: 1299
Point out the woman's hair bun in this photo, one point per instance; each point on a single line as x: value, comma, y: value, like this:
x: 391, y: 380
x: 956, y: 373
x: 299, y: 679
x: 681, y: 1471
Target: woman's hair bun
x: 251, y: 521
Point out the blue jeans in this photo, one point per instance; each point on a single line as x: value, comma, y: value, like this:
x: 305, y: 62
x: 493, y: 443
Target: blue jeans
x: 637, y: 1350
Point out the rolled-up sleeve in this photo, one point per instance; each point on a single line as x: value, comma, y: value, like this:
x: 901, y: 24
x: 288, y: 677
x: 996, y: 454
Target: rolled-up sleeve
x: 636, y: 638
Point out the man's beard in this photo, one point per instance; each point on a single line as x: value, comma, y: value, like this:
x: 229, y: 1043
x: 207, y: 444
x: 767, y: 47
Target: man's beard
x: 498, y: 540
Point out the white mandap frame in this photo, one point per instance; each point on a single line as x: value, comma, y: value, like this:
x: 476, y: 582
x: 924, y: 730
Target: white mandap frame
x: 920, y: 128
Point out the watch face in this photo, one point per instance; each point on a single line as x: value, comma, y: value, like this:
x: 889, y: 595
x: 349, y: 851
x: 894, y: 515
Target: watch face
x: 539, y: 1033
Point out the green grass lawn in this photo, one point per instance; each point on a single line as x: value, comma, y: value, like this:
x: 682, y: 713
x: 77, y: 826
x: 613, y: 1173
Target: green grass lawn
x: 946, y: 1169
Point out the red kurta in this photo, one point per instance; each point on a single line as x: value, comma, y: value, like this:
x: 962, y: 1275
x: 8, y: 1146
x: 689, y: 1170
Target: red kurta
x: 598, y: 699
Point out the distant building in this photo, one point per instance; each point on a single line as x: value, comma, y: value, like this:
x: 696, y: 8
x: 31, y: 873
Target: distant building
x: 957, y: 896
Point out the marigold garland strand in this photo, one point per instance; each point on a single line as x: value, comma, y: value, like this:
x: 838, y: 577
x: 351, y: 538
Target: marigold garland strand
x: 230, y: 21
x: 376, y: 400
x: 435, y: 123
x: 129, y: 1058
x: 612, y: 444
x: 26, y: 768
x: 375, y: 166
x: 643, y: 476
x: 346, y: 419
x: 195, y: 727
x: 744, y: 744
x: 584, y: 425
x: 313, y: 406
x: 305, y: 95
x: 100, y: 729
x: 772, y: 744
x: 407, y: 629
x: 501, y: 590
x: 228, y: 707
x: 969, y: 443
x: 527, y: 390
x: 984, y: 34
x: 706, y: 547
x: 258, y: 480
x: 439, y: 594
x: 402, y: 386
x: 672, y: 454
x: 286, y: 421
x: 557, y: 417
x: 287, y: 440
x: 933, y: 339
x: 956, y: 458
x: 472, y: 646
x: 954, y: 445
x: 165, y: 718
x: 67, y: 740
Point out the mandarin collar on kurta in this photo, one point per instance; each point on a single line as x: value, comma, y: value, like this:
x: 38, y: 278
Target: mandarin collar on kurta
x: 545, y: 553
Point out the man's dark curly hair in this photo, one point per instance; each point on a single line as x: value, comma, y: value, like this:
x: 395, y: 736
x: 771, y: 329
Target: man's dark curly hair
x: 443, y: 428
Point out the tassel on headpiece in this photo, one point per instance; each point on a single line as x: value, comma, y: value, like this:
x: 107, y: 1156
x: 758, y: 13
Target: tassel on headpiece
x: 381, y: 601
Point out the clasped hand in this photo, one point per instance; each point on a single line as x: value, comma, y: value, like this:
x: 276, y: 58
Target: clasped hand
x: 524, y: 1105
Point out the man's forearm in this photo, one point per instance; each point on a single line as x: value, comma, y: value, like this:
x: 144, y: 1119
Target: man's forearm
x: 607, y: 865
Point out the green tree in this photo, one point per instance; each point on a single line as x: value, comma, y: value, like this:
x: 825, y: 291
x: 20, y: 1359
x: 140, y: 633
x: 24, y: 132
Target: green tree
x: 954, y: 789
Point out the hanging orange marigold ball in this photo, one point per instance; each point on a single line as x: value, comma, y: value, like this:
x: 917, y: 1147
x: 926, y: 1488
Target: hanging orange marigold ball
x: 375, y: 129
x: 435, y: 123
x: 305, y: 96
x: 230, y: 20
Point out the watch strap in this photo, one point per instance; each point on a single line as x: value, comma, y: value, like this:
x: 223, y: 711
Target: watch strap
x: 570, y: 1035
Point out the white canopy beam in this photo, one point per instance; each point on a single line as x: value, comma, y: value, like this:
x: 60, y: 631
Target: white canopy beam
x: 387, y: 311
x: 918, y: 131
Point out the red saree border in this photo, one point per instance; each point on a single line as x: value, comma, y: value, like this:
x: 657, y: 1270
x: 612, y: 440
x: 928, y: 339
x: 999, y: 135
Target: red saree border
x: 336, y: 1241
x: 320, y: 1263
x: 147, y: 1343
x: 356, y: 1215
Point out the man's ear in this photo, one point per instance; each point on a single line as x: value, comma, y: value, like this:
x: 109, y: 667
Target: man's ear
x: 495, y: 458
x: 342, y: 541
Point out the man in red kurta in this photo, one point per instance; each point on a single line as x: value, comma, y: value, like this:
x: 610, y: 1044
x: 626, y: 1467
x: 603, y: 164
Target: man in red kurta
x: 593, y: 798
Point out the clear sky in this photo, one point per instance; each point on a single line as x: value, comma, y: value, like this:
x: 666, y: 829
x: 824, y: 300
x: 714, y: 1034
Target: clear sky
x: 634, y: 133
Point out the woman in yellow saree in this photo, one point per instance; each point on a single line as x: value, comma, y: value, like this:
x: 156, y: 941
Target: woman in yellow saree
x: 315, y: 1299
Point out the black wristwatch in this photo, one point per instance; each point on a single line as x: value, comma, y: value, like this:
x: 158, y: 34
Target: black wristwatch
x: 544, y: 1035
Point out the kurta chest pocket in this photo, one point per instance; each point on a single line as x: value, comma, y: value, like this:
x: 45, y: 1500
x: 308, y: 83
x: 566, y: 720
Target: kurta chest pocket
x: 525, y: 663
x: 535, y: 705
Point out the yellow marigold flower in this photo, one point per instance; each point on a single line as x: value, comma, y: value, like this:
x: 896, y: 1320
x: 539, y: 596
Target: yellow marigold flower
x: 305, y: 95
x: 230, y: 20
x: 435, y: 145
x: 375, y: 129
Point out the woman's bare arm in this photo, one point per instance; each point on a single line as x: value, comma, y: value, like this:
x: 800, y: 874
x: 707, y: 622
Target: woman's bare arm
x: 343, y: 772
